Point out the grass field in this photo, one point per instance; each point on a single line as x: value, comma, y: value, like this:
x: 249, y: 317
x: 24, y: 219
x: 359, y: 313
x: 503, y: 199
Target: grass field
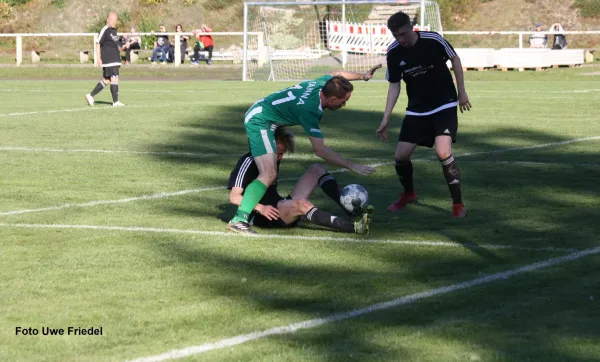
x: 114, y: 218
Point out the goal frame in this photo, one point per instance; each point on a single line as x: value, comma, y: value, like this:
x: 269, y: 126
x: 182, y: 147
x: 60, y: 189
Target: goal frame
x: 316, y: 2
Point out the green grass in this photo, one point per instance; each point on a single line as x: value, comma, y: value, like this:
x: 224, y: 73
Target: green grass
x: 157, y: 291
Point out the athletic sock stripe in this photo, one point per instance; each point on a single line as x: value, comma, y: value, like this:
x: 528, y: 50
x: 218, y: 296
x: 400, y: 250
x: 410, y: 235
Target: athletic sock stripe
x: 310, y: 213
x: 239, y: 180
x: 102, y: 84
x: 448, y: 161
x: 324, y: 179
x: 440, y: 39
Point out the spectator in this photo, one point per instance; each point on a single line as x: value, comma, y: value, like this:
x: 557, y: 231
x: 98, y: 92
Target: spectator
x: 560, y: 41
x: 183, y: 43
x: 538, y: 40
x: 133, y: 41
x: 205, y: 43
x: 161, y: 45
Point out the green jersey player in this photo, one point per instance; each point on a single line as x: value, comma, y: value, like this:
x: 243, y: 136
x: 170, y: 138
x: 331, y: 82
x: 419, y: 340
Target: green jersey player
x: 299, y: 105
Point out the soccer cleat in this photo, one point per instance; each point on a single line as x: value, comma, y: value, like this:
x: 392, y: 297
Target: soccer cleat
x: 241, y: 227
x: 209, y: 62
x: 118, y: 104
x: 361, y: 226
x: 404, y: 200
x: 89, y: 99
x: 458, y: 211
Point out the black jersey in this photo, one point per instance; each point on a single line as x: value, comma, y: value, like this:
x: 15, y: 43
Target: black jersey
x: 110, y: 52
x: 429, y: 84
x: 245, y: 172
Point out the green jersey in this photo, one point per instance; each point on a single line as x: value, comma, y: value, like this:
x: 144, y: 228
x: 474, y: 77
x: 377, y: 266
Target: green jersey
x: 299, y: 105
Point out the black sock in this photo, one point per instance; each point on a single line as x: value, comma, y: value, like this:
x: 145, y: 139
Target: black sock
x: 99, y: 87
x: 404, y: 170
x: 452, y: 175
x: 330, y: 187
x: 323, y: 218
x: 114, y: 90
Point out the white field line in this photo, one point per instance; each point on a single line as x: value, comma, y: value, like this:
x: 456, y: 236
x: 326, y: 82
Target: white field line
x: 525, y: 163
x: 295, y: 156
x: 184, y: 192
x: 406, y: 300
x: 88, y: 108
x: 359, y: 240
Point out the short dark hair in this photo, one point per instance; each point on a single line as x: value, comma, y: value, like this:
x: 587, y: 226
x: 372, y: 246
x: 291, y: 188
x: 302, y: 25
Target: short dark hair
x: 337, y: 86
x: 285, y: 137
x: 398, y: 20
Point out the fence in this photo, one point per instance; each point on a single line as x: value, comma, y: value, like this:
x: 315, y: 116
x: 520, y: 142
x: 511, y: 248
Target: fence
x: 38, y: 43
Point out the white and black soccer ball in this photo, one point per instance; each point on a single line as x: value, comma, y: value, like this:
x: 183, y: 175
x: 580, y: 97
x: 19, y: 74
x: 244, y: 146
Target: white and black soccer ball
x: 354, y: 198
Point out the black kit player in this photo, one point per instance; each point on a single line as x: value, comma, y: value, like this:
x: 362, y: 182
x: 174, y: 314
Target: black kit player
x: 108, y: 47
x: 431, y: 115
x: 273, y: 210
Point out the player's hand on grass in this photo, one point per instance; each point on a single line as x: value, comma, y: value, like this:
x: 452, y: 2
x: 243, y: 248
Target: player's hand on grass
x: 368, y: 75
x: 362, y: 169
x: 463, y: 102
x: 268, y: 211
x: 382, y: 130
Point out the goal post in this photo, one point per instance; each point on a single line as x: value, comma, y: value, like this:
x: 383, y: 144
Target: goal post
x: 303, y: 39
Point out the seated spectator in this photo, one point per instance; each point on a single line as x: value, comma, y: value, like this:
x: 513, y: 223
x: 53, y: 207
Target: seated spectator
x: 184, y: 39
x: 133, y: 41
x: 538, y: 40
x: 161, y: 45
x: 560, y: 41
x: 204, y: 44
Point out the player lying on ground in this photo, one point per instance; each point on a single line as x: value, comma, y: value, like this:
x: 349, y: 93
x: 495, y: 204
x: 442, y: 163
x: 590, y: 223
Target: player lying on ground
x: 274, y: 210
x: 300, y: 105
x: 431, y: 115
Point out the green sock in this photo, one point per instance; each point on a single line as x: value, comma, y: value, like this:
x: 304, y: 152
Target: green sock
x: 252, y: 195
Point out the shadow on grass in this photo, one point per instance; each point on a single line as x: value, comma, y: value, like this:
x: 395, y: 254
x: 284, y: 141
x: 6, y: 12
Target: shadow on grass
x: 509, y: 204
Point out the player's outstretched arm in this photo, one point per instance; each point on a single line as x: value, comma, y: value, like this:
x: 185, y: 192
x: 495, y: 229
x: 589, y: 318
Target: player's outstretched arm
x: 268, y: 211
x: 463, y: 99
x: 390, y: 103
x: 356, y: 76
x: 333, y: 157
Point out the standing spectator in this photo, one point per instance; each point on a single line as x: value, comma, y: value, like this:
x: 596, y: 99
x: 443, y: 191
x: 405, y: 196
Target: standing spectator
x: 560, y: 41
x: 538, y: 40
x: 204, y: 43
x: 133, y: 41
x: 183, y: 43
x: 107, y: 46
x: 161, y: 45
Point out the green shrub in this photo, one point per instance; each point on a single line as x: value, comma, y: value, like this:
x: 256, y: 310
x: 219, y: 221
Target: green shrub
x: 588, y: 8
x: 219, y: 4
x: 59, y: 3
x: 151, y: 2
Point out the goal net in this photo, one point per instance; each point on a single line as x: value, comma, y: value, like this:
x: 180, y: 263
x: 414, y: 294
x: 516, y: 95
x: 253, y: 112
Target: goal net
x: 303, y: 39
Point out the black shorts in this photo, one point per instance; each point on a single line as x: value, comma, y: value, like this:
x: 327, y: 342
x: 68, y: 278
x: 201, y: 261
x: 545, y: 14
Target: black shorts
x: 262, y: 222
x: 109, y: 72
x: 422, y: 130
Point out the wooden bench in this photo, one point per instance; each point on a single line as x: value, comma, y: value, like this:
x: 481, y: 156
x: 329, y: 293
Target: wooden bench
x: 84, y: 56
x: 35, y: 55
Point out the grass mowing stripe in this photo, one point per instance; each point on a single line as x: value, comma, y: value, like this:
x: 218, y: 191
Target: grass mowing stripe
x: 184, y: 192
x: 409, y: 299
x: 294, y: 237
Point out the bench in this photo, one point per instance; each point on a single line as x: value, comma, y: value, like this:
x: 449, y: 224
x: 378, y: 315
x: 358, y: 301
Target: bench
x: 84, y: 56
x: 35, y: 55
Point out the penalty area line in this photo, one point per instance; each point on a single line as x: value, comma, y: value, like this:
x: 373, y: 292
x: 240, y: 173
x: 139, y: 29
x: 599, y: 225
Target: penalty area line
x: 337, y: 317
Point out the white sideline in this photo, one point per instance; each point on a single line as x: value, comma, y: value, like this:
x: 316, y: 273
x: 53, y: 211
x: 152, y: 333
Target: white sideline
x: 409, y: 299
x: 183, y: 192
x: 359, y: 240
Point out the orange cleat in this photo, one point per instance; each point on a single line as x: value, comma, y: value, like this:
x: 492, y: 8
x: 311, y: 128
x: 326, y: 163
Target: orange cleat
x: 404, y: 200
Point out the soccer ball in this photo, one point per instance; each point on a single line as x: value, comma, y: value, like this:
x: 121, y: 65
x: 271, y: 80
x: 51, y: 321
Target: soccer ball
x: 354, y: 198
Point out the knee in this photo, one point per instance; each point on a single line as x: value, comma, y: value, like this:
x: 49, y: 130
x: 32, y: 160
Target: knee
x: 268, y: 177
x: 443, y: 154
x: 303, y: 206
x: 106, y: 81
x: 317, y: 169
